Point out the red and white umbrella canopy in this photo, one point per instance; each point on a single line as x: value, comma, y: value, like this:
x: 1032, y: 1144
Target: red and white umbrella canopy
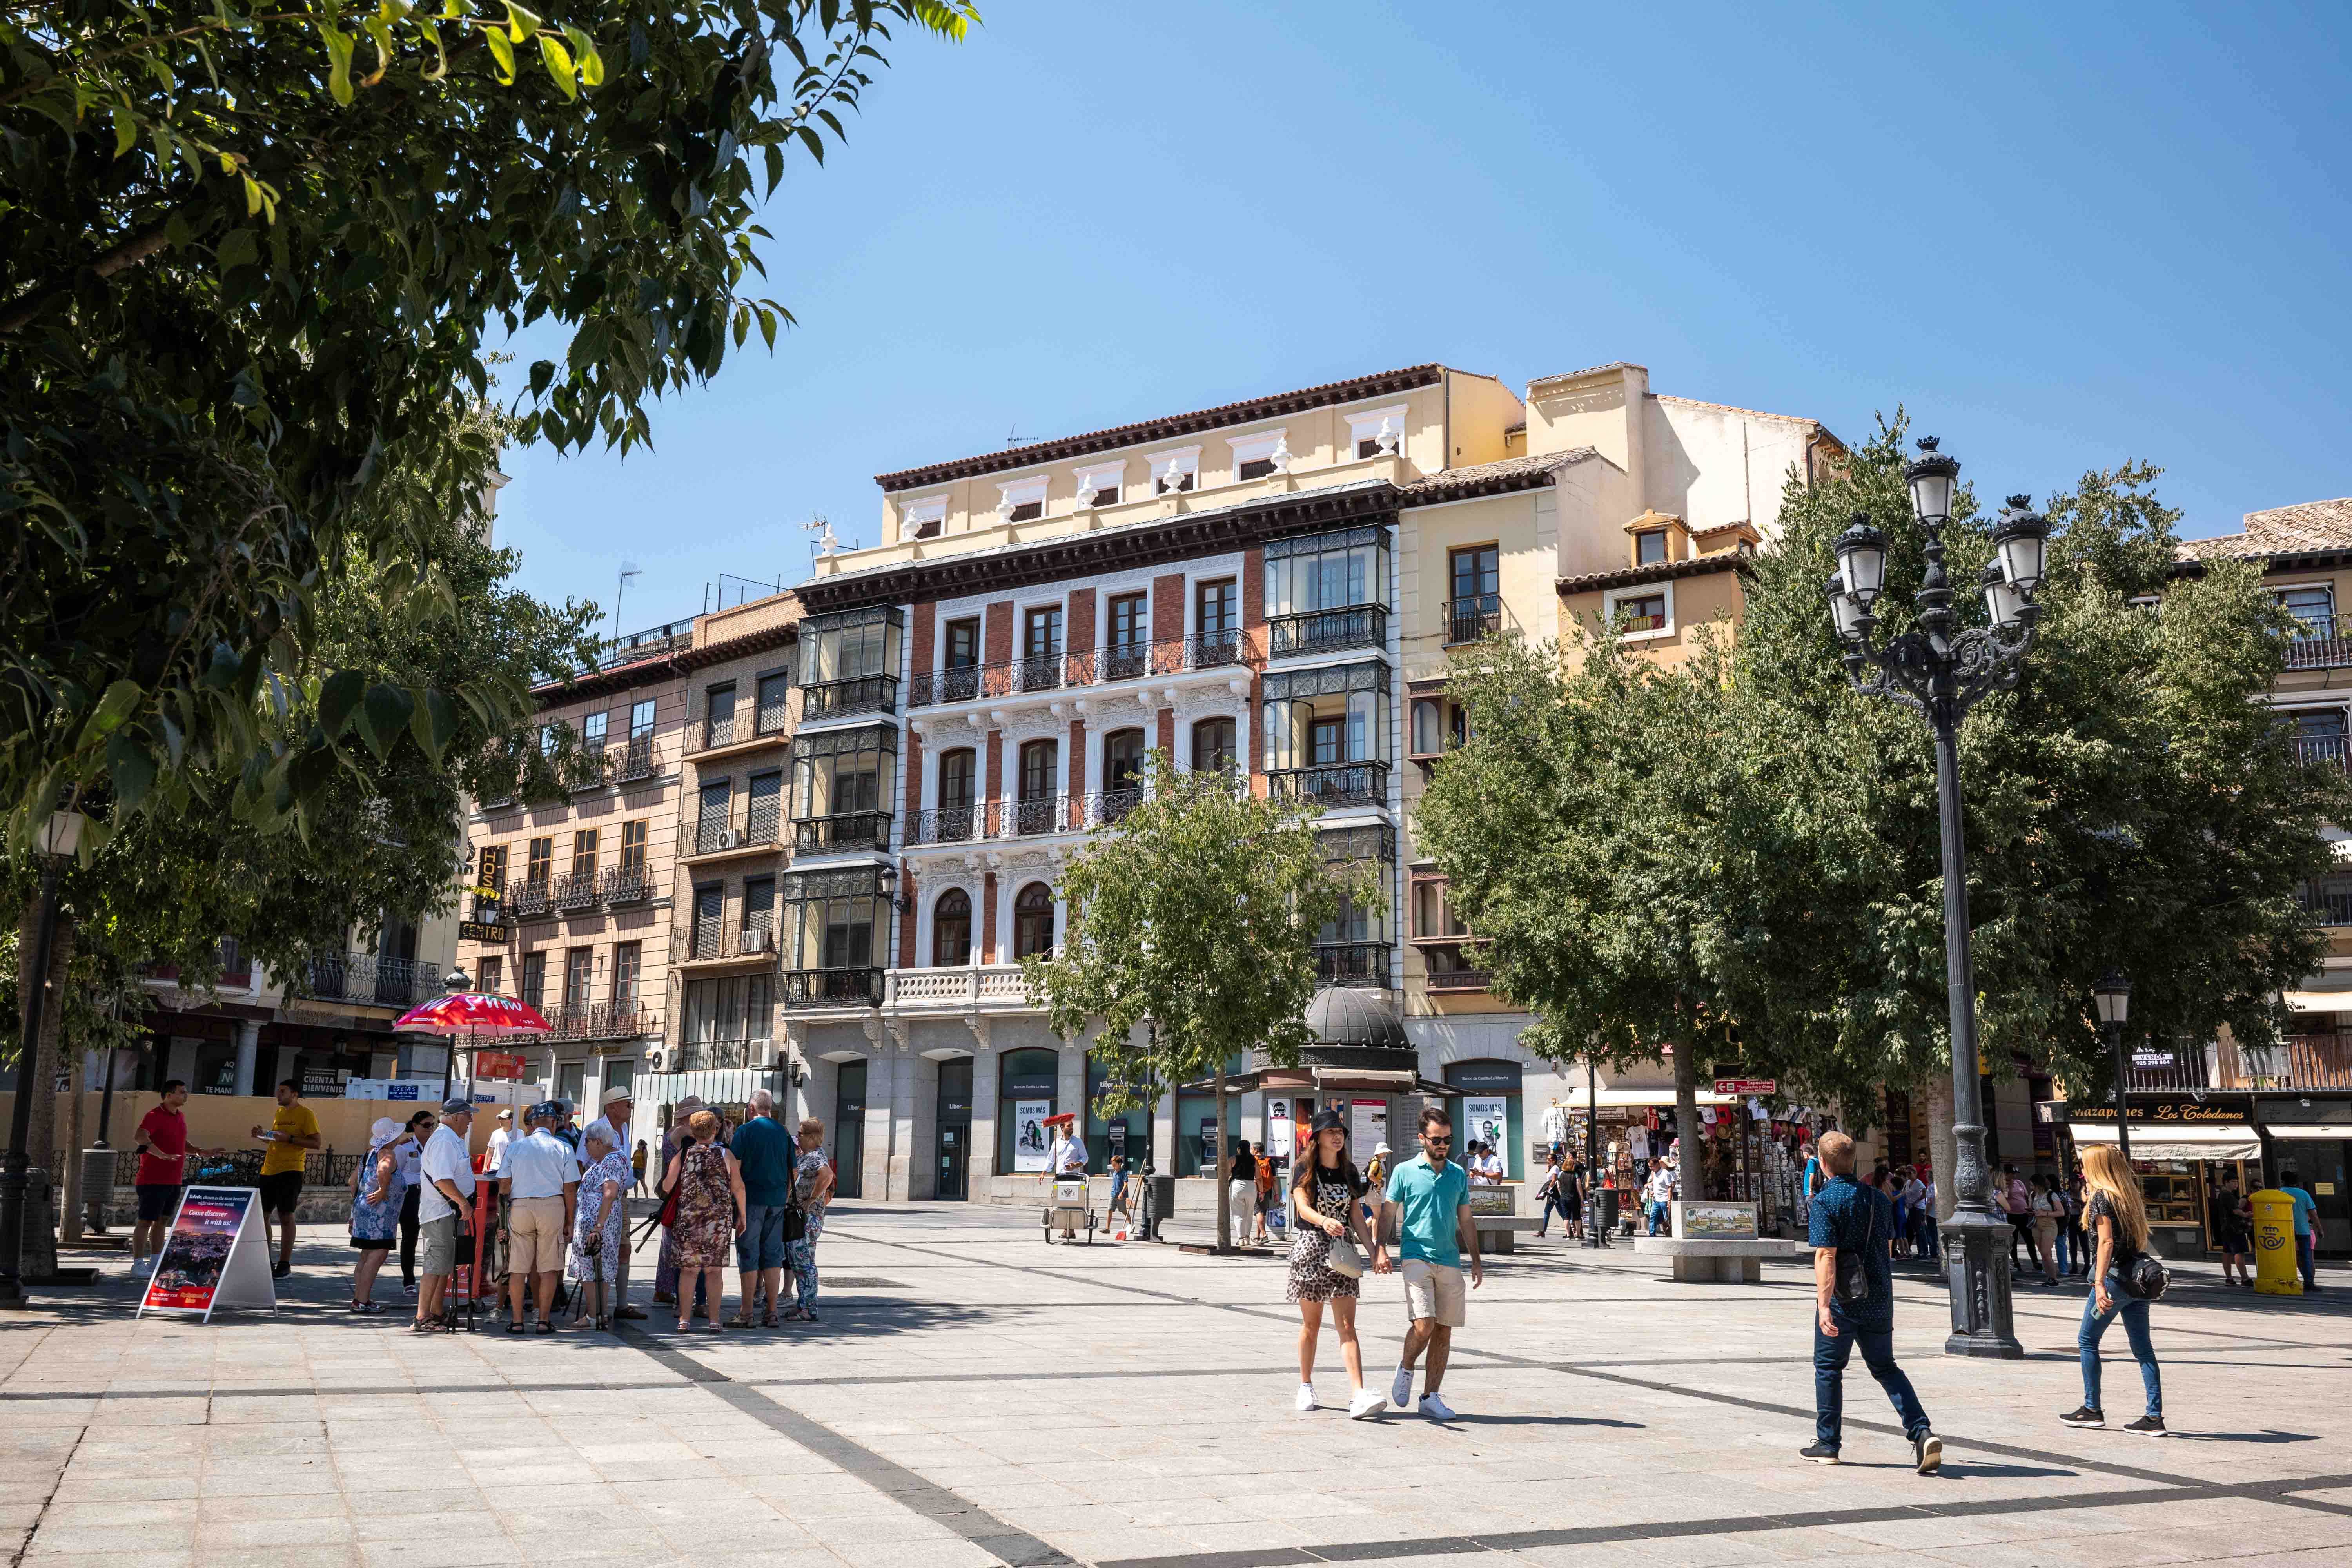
x: 474, y: 1012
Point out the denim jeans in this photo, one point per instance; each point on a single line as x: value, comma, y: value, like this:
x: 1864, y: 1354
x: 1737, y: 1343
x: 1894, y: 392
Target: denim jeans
x: 2134, y: 1312
x: 2064, y: 1253
x: 1830, y: 1357
x: 1552, y: 1207
x: 2305, y: 1259
x: 1930, y: 1241
x: 1660, y: 1219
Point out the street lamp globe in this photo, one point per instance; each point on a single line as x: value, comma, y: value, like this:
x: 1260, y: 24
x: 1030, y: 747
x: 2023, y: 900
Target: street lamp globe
x: 2004, y: 601
x: 2021, y: 538
x: 1861, y: 562
x: 1932, y: 477
x: 61, y: 834
x: 1843, y: 611
x: 2112, y: 994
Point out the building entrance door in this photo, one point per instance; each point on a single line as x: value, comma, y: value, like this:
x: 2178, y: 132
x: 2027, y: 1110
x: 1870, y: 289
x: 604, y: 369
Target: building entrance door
x: 849, y: 1133
x: 954, y: 1152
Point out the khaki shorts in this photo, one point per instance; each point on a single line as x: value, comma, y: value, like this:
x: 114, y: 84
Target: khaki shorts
x: 441, y: 1247
x: 1435, y: 1291
x: 535, y: 1235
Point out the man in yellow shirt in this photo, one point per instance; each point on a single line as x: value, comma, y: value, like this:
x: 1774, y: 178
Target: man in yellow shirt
x: 291, y: 1134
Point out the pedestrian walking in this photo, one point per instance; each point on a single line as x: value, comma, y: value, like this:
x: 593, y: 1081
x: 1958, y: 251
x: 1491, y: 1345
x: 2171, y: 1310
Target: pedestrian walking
x: 162, y: 1165
x: 1262, y: 1184
x: 2307, y: 1230
x: 540, y: 1183
x: 2077, y: 1199
x: 2049, y: 1225
x: 1852, y: 1231
x: 2116, y: 1217
x: 1241, y: 1184
x: 637, y: 1166
x: 291, y: 1134
x: 1554, y: 1200
x: 375, y: 1210
x: 766, y: 1154
x: 600, y: 1233
x: 1898, y: 1188
x: 1430, y: 1197
x: 710, y: 1215
x: 2231, y: 1222
x: 500, y: 1136
x: 2017, y: 1203
x: 445, y: 1207
x: 1119, y: 1198
x: 409, y: 1153
x: 1329, y: 1242
x: 1660, y: 1195
x: 1931, y: 1244
x: 813, y: 1185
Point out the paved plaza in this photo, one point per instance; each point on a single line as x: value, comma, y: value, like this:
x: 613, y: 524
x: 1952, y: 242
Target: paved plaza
x: 975, y: 1396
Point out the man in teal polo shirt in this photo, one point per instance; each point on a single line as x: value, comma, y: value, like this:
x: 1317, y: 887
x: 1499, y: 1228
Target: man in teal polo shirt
x: 1428, y: 1202
x: 2306, y: 1224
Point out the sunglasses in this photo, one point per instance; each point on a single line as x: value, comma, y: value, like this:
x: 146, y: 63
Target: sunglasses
x: 1437, y: 1143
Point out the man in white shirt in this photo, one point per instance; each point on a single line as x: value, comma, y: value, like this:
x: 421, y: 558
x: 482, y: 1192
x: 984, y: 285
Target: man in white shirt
x: 1660, y: 1195
x: 620, y: 1113
x: 540, y: 1184
x: 443, y: 1205
x: 1488, y: 1171
x: 500, y: 1136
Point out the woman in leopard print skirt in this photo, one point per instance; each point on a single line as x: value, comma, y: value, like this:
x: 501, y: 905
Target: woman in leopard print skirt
x: 1324, y: 1194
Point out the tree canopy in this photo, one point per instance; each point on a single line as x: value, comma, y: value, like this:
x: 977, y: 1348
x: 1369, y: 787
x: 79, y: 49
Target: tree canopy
x: 248, y: 262
x: 1745, y: 844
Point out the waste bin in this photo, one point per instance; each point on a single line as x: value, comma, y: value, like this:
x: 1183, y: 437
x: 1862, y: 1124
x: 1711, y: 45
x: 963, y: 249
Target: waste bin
x: 2277, y: 1271
x: 97, y: 1185
x: 1604, y: 1206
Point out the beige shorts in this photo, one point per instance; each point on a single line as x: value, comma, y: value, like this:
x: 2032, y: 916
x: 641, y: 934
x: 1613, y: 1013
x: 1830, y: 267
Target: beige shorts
x: 535, y: 1235
x: 1435, y: 1291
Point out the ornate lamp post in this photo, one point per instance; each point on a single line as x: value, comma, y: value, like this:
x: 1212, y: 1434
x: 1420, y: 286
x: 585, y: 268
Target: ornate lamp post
x: 2113, y: 994
x: 1940, y: 671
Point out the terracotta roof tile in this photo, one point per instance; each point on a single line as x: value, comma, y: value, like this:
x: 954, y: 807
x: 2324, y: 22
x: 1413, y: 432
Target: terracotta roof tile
x: 2306, y: 527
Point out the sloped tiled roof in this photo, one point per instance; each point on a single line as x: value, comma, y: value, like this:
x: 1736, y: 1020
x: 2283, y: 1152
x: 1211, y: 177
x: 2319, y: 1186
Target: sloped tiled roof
x: 1491, y: 478
x: 2307, y: 528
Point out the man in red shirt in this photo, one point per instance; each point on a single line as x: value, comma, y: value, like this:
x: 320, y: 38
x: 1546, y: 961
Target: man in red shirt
x: 162, y: 1155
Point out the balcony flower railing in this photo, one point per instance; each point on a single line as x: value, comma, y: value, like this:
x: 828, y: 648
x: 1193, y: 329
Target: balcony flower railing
x: 847, y: 987
x: 627, y: 884
x: 1328, y: 631
x: 604, y: 1020
x: 1352, y: 962
x: 576, y: 891
x: 857, y: 694
x: 632, y: 760
x: 1332, y: 783
x: 534, y: 896
x: 1094, y: 667
x: 756, y: 827
x: 843, y: 830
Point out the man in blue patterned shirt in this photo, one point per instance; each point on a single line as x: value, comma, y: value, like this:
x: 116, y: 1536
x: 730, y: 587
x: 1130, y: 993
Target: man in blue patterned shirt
x: 1857, y: 1222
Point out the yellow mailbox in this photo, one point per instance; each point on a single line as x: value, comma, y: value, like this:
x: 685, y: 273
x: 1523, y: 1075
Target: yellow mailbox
x: 2276, y: 1272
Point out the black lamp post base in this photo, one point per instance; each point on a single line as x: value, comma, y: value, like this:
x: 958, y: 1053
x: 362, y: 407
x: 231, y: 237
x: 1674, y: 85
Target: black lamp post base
x: 1976, y: 1247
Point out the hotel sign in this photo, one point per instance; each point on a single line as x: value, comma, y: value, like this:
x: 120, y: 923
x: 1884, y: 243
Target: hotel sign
x: 476, y: 931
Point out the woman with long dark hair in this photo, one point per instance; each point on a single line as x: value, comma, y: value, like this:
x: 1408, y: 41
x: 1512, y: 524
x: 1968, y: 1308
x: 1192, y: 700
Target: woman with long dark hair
x: 2117, y: 1219
x: 1325, y: 1193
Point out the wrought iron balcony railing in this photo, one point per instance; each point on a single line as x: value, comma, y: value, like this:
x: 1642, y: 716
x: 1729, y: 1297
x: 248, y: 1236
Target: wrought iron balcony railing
x: 844, y: 830
x: 1472, y: 617
x: 755, y: 938
x: 833, y: 988
x: 755, y: 826
x: 1332, y: 783
x: 533, y: 897
x: 631, y: 760
x: 2319, y: 643
x: 768, y: 723
x: 1328, y: 631
x: 604, y: 1020
x: 2328, y: 901
x: 2330, y: 749
x: 365, y: 977
x: 1021, y: 818
x: 1094, y: 667
x: 857, y: 694
x: 627, y: 884
x: 576, y: 891
x: 1352, y: 962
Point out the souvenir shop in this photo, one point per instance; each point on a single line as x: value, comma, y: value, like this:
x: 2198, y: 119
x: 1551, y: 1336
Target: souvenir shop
x: 2181, y: 1146
x: 1752, y: 1151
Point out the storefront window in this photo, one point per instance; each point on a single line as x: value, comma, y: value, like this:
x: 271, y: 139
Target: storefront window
x: 1028, y: 1086
x: 1488, y: 1110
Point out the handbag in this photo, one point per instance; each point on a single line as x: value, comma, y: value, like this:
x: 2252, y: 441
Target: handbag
x: 2145, y: 1277
x: 1343, y: 1259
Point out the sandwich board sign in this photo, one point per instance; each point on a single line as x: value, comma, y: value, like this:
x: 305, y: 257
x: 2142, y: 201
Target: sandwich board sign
x: 214, y: 1255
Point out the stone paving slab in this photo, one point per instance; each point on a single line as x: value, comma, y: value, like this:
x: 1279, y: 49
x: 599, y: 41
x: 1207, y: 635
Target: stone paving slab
x: 974, y: 1395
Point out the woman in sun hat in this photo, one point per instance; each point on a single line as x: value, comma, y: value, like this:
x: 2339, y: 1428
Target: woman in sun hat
x: 375, y: 1209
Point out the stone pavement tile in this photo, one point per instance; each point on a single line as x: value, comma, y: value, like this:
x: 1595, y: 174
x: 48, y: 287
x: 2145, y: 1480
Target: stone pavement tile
x: 447, y: 1524
x: 366, y: 1501
x: 1926, y: 1533
x: 953, y: 1552
x: 93, y: 1540
x: 77, y: 1487
x: 215, y: 1533
x: 155, y: 1556
x: 118, y: 1514
x: 231, y: 1478
x: 290, y: 1505
x: 470, y: 1549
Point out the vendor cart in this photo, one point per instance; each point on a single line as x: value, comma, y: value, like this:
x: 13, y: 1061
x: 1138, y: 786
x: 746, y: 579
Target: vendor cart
x: 1069, y: 1206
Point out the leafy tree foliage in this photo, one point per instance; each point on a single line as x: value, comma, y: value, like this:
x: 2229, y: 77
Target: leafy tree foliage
x: 247, y: 260
x: 1189, y: 938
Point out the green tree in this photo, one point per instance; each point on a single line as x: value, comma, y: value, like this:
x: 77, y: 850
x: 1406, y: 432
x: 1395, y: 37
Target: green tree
x: 1189, y: 939
x: 249, y: 259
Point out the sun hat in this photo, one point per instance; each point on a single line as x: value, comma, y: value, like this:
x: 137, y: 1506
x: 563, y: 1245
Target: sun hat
x: 618, y: 1091
x: 1330, y: 1122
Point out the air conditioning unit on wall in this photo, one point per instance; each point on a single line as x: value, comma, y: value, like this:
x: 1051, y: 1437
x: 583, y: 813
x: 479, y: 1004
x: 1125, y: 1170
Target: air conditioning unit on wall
x: 729, y: 838
x: 656, y: 1061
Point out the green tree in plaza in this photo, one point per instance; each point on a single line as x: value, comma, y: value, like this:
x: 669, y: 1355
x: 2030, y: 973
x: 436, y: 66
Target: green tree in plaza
x: 248, y: 260
x: 1189, y: 939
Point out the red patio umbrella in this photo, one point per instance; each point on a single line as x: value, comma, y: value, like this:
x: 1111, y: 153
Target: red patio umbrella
x: 474, y: 1012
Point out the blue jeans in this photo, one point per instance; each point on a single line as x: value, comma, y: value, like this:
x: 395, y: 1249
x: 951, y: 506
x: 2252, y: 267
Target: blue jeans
x: 2134, y: 1312
x: 802, y: 1254
x: 1928, y: 1239
x: 2063, y: 1252
x: 2305, y: 1257
x: 1830, y: 1357
x: 762, y: 1245
x: 1660, y: 1219
x: 1552, y: 1207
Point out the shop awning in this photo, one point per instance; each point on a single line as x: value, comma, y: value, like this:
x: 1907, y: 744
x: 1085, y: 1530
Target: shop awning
x: 1574, y: 1099
x: 2307, y: 1130
x: 2213, y: 1140
x: 1322, y: 1079
x: 2319, y: 1001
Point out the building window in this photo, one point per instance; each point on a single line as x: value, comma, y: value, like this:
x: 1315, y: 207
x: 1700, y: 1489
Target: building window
x: 1216, y: 607
x: 1474, y: 609
x: 1032, y: 921
x: 1038, y: 765
x: 1178, y: 471
x: 1021, y: 500
x: 1327, y: 741
x: 1255, y: 456
x: 534, y: 979
x: 731, y: 1009
x: 712, y: 819
x: 1213, y: 746
x: 542, y: 862
x: 1041, y: 632
x: 1102, y: 485
x: 842, y: 794
x: 579, y: 976
x: 828, y: 927
x: 923, y: 519
x: 1328, y: 592
x: 641, y: 719
x: 849, y: 662
x: 1377, y: 430
x: 1650, y: 547
x: 1123, y: 761
x: 1131, y: 627
x: 547, y: 737
x: 720, y: 725
x: 710, y: 913
x: 958, y: 774
x: 1432, y: 914
x: 493, y: 971
x: 772, y: 690
x: 628, y: 961
x: 962, y: 645
x: 759, y: 914
x: 592, y: 733
x: 584, y: 852
x: 633, y: 846
x: 762, y: 816
x: 1642, y: 613
x: 951, y: 928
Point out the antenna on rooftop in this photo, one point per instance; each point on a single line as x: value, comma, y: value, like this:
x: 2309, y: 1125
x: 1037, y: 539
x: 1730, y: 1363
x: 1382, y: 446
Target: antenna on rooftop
x: 628, y: 569
x: 825, y: 543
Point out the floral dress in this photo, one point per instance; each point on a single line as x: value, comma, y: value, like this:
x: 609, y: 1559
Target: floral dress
x: 374, y: 1226
x: 595, y: 1219
x: 706, y: 1209
x: 1312, y: 1277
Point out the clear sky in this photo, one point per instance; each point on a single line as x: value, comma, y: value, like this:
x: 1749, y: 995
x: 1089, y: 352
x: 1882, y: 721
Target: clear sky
x: 2062, y: 235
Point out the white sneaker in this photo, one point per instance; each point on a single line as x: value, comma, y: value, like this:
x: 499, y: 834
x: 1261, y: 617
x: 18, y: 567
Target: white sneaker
x: 1307, y: 1398
x: 1436, y: 1409
x: 1401, y: 1388
x: 1366, y: 1404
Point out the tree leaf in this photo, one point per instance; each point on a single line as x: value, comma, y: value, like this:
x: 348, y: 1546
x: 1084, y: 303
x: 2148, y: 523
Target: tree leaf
x: 339, y: 698
x: 559, y: 64
x: 339, y: 45
x: 503, y: 51
x: 130, y: 769
x: 433, y: 720
x: 382, y: 715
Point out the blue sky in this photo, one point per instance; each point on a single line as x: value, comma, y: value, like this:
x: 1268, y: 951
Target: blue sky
x: 2062, y: 235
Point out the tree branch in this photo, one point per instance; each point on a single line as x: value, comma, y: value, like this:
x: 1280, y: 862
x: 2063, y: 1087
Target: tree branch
x: 129, y: 252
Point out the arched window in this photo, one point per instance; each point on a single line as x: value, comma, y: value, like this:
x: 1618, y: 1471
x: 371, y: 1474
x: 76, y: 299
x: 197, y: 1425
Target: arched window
x: 1032, y: 921
x: 951, y: 928
x: 1034, y: 812
x: 1212, y: 745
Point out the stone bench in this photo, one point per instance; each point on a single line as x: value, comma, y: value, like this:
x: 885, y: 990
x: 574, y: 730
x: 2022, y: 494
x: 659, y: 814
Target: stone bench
x: 1715, y: 1261
x: 1499, y: 1233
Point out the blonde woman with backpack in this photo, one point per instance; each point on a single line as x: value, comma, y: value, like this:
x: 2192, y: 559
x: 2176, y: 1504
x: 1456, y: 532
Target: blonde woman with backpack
x: 2115, y: 1222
